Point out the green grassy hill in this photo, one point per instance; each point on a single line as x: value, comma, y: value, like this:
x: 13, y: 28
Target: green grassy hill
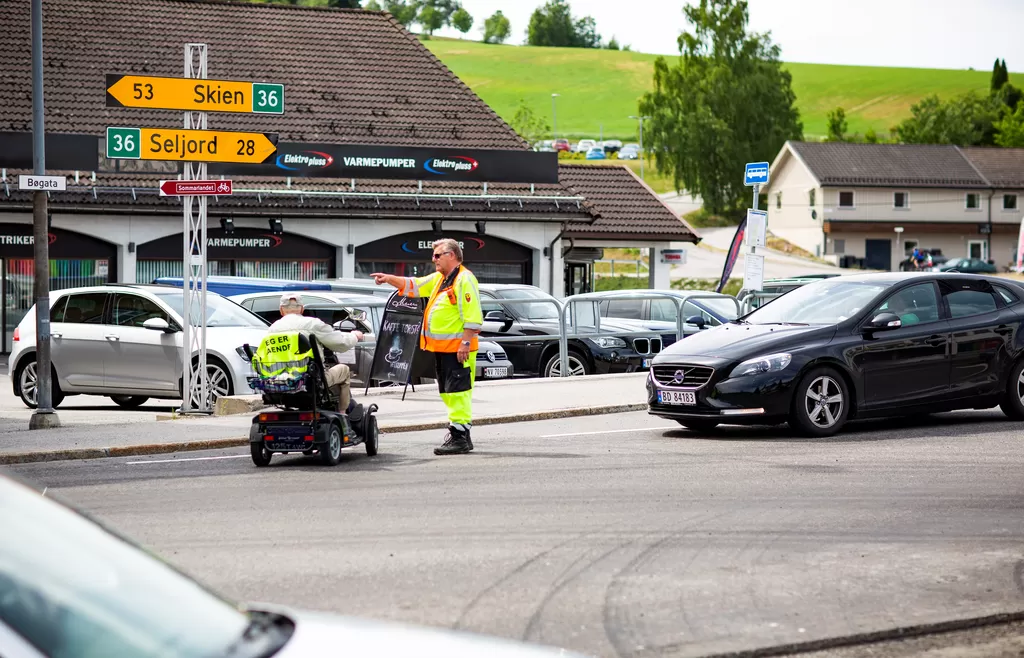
x: 601, y: 87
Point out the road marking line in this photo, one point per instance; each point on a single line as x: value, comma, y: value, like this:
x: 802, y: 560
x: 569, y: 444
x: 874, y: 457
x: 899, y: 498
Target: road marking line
x: 187, y: 459
x: 640, y: 429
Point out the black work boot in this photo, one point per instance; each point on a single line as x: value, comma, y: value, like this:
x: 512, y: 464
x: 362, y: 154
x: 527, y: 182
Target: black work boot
x: 456, y: 443
x: 469, y: 439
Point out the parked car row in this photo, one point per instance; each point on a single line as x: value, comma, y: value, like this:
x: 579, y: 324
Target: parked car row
x: 605, y: 148
x: 124, y: 341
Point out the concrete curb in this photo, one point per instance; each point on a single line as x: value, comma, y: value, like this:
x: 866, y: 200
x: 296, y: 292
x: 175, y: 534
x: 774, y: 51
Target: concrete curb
x: 214, y: 444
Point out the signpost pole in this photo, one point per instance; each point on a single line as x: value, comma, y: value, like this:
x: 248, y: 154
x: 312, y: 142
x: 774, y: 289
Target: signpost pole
x: 195, y: 379
x: 44, y: 415
x: 755, y: 174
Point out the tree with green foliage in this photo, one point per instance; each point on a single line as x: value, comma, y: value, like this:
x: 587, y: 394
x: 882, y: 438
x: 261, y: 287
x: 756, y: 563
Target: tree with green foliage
x: 497, y: 28
x: 528, y: 125
x: 404, y: 11
x: 553, y: 25
x: 1000, y: 75
x: 462, y: 20
x: 965, y: 120
x: 613, y: 44
x: 871, y: 137
x: 1010, y: 128
x: 727, y: 102
x: 836, y: 125
x: 371, y: 5
x: 435, y: 14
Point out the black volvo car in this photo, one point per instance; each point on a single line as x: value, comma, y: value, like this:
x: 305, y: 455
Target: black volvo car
x: 859, y: 346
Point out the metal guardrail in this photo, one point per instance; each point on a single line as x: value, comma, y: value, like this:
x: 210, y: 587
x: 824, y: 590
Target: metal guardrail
x: 563, y: 306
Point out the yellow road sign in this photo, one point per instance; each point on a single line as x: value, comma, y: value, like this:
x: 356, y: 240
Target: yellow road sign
x: 177, y: 144
x: 192, y: 94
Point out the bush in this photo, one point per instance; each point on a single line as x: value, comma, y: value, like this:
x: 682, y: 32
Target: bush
x: 732, y: 287
x: 701, y: 218
x: 619, y: 283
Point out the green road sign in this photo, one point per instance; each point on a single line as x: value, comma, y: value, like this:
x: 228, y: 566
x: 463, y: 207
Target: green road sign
x: 267, y: 98
x: 124, y: 143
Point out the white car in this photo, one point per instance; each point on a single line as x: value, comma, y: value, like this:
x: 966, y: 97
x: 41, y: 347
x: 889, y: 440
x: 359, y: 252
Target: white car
x: 124, y: 342
x: 72, y: 587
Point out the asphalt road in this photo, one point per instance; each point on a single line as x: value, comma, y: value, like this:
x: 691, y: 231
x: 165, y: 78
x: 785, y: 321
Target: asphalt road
x: 616, y: 535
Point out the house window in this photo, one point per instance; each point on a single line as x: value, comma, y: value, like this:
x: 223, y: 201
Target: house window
x: 778, y: 200
x: 900, y: 200
x: 846, y: 199
x: 839, y: 246
x: 973, y: 201
x: 1009, y: 202
x: 811, y: 196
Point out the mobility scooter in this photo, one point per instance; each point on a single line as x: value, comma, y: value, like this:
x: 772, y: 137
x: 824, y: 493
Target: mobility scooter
x: 305, y: 419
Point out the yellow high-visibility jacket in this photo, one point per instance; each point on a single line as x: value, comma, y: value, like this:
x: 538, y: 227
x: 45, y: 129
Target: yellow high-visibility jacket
x: 449, y: 310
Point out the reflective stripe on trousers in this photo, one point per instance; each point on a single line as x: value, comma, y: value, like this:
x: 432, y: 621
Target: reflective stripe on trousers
x: 460, y: 405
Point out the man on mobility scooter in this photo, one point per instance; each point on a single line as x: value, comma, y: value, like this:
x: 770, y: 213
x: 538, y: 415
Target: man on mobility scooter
x: 291, y: 371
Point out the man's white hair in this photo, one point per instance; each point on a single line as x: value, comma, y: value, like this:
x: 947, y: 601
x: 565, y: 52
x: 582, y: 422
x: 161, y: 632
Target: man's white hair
x: 449, y: 245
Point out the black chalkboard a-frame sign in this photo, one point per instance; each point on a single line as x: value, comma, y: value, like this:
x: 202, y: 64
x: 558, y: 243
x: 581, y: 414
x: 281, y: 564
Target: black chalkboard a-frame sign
x: 398, y: 357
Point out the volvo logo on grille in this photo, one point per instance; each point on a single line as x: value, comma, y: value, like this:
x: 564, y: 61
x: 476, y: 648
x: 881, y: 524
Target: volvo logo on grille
x: 679, y: 377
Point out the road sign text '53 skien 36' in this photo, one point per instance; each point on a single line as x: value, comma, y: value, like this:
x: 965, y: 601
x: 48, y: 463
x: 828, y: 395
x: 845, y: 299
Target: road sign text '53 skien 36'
x: 183, y: 145
x: 194, y: 94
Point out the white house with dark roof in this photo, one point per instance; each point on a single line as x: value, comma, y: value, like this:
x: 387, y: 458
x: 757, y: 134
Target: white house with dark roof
x: 844, y: 202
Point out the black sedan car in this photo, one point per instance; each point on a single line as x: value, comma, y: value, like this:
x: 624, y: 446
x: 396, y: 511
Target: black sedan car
x: 600, y: 354
x: 861, y: 346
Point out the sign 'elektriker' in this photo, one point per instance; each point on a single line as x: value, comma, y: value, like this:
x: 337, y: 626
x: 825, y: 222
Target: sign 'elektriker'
x: 193, y: 94
x: 185, y: 145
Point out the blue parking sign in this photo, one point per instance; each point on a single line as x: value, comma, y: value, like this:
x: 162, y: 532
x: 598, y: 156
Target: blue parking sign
x: 756, y: 173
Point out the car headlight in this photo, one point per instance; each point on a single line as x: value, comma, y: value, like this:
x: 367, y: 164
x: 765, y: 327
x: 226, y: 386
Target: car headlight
x: 610, y: 341
x: 762, y: 364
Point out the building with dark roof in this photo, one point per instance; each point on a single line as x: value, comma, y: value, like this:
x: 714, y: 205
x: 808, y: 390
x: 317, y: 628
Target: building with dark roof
x: 869, y: 205
x: 354, y: 79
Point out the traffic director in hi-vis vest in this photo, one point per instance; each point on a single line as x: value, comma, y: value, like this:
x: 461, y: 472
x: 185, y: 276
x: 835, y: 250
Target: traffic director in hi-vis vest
x: 451, y: 321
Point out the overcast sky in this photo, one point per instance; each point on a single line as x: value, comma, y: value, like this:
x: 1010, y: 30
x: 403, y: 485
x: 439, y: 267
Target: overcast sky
x: 948, y: 34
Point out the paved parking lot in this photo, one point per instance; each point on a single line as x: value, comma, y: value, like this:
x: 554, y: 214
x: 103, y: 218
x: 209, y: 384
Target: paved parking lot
x: 618, y: 535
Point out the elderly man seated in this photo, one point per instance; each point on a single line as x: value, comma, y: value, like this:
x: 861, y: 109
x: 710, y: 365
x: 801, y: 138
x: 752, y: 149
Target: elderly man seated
x: 338, y: 376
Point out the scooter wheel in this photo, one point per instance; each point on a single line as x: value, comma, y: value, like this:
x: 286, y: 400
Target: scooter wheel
x: 372, y: 435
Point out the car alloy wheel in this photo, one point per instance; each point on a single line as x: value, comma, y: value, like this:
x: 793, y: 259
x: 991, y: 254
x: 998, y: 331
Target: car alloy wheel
x: 824, y: 402
x: 218, y: 381
x: 576, y: 366
x: 27, y: 383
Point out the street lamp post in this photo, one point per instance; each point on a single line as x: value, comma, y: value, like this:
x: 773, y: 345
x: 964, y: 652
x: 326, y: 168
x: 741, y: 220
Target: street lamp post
x: 554, y: 115
x: 640, y: 121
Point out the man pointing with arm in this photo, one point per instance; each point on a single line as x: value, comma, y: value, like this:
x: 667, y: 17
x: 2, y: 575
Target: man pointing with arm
x: 451, y: 322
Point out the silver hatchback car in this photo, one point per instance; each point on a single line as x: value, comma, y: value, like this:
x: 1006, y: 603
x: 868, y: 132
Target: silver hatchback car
x: 124, y: 342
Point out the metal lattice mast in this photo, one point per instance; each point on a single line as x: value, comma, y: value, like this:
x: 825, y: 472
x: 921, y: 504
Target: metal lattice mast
x: 195, y: 379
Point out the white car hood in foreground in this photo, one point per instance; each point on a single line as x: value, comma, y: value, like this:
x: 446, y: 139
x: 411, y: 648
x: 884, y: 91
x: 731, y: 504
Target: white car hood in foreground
x: 319, y: 634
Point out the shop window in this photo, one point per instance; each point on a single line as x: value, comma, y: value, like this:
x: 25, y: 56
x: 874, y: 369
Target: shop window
x: 86, y: 308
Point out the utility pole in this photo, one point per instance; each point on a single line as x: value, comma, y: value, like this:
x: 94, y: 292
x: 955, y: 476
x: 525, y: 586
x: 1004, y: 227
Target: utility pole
x: 641, y: 120
x: 44, y: 416
x: 554, y: 115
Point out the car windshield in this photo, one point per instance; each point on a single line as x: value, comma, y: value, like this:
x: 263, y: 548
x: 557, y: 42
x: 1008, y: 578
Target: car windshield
x: 825, y: 302
x: 70, y: 588
x: 526, y: 310
x: 220, y: 311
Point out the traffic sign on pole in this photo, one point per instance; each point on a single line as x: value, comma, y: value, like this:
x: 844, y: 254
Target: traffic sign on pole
x: 756, y: 173
x: 44, y: 183
x: 186, y: 145
x: 194, y: 94
x: 195, y: 188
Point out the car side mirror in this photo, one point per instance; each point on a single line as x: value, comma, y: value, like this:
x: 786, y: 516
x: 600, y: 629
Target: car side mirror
x: 697, y: 320
x: 495, y: 316
x: 157, y: 324
x: 345, y: 325
x: 884, y: 321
